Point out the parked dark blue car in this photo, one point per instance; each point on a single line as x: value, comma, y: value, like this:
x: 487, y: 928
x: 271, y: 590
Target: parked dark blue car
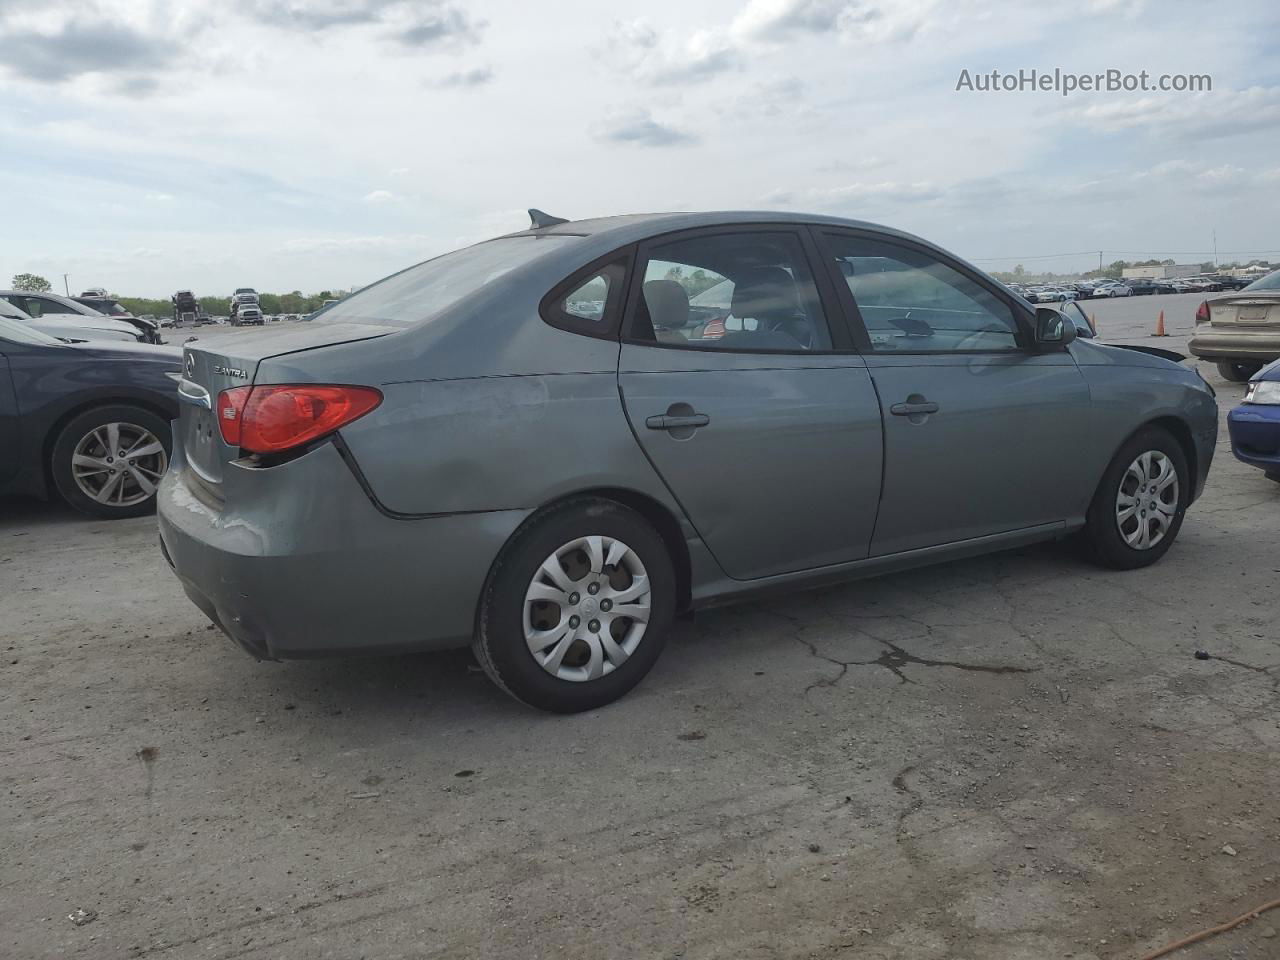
x: 89, y: 420
x: 1255, y: 424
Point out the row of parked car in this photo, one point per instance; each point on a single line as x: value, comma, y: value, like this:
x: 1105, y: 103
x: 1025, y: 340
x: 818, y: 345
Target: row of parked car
x: 90, y: 316
x: 1129, y: 287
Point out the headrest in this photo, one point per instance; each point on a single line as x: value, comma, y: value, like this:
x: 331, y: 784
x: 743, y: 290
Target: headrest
x: 668, y: 304
x: 767, y: 294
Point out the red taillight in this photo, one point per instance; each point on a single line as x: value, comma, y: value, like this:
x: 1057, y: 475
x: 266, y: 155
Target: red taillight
x: 230, y: 413
x: 271, y: 419
x: 1202, y: 314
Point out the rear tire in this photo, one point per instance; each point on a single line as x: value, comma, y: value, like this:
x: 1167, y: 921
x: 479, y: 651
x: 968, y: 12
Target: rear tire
x: 1238, y: 371
x: 99, y: 481
x: 550, y: 630
x: 1138, y: 491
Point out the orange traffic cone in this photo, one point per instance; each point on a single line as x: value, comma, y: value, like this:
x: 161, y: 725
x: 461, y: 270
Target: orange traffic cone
x: 1160, y: 332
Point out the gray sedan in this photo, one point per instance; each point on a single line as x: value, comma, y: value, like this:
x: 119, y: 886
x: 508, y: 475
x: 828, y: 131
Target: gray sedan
x: 548, y: 445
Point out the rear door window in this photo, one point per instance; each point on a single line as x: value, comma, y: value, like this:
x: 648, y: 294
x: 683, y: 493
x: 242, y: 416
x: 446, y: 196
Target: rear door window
x: 744, y: 291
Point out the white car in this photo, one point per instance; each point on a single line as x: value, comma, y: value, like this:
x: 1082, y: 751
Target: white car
x: 64, y: 318
x: 1051, y: 295
x: 1113, y: 290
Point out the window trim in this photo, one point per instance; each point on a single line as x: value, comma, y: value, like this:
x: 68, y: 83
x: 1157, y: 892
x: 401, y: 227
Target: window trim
x: 836, y: 329
x: 1023, y: 322
x: 610, y: 322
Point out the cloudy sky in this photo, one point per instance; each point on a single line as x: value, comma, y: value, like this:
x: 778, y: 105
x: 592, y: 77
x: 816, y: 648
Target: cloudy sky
x: 157, y: 144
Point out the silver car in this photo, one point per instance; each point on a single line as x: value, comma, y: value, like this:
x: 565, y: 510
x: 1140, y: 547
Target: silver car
x: 549, y: 444
x: 65, y: 318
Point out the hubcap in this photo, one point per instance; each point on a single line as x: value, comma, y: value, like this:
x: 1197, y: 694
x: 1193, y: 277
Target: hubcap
x: 587, y: 608
x: 1147, y: 500
x: 118, y: 464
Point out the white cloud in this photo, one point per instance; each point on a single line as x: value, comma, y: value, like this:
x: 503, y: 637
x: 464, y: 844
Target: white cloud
x: 773, y: 21
x: 844, y: 197
x: 361, y: 243
x: 1193, y: 116
x: 639, y: 127
x: 379, y: 196
x: 462, y: 79
x: 673, y: 57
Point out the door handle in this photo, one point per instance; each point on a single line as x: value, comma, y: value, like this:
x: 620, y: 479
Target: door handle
x: 667, y: 421
x: 915, y: 405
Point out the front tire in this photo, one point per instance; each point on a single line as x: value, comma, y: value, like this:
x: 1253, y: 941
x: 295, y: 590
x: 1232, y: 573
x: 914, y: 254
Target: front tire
x: 577, y: 607
x: 1238, y: 371
x: 108, y: 461
x: 1140, y: 502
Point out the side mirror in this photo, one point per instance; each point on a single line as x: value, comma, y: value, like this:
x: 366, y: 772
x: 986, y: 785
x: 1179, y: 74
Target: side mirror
x: 1053, y: 329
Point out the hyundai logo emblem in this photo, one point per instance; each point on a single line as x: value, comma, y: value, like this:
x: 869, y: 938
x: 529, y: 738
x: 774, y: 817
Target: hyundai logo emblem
x: 191, y: 367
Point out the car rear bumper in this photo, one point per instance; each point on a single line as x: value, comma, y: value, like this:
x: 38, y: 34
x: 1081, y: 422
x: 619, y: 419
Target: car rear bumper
x: 1255, y: 435
x: 1218, y: 343
x: 309, y: 567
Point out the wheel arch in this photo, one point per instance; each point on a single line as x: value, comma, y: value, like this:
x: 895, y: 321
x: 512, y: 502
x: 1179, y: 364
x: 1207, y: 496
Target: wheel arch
x: 668, y: 527
x: 1182, y: 433
x: 84, y: 405
x: 655, y: 513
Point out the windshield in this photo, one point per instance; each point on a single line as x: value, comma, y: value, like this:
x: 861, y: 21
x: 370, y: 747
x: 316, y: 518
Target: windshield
x: 17, y: 332
x: 1270, y: 282
x: 102, y: 305
x: 432, y: 287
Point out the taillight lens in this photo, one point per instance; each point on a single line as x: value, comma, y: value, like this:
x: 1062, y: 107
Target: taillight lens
x: 230, y: 413
x: 275, y: 418
x: 1202, y: 314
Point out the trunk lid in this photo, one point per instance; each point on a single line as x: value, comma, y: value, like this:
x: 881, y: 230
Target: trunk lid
x: 1244, y: 310
x: 211, y: 365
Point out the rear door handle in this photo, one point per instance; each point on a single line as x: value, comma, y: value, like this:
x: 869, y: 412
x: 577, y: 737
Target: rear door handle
x: 667, y: 421
x: 913, y: 406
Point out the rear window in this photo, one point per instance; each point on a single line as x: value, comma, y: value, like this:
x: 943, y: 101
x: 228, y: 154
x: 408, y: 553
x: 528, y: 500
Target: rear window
x: 109, y: 307
x: 432, y: 287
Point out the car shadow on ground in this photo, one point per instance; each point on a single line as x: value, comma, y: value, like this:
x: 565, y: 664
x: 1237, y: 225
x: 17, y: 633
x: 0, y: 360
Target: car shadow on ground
x: 699, y: 649
x: 18, y: 512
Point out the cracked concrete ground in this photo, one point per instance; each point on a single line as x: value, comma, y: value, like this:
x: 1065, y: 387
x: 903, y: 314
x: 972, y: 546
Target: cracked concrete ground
x: 1010, y: 757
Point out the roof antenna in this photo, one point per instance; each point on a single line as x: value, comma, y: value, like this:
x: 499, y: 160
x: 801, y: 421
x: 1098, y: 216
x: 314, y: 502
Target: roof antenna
x: 538, y: 219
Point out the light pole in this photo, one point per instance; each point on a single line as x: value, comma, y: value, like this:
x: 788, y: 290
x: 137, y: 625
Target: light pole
x: 65, y: 284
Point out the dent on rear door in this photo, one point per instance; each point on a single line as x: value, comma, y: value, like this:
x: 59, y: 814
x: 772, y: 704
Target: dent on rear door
x: 498, y: 443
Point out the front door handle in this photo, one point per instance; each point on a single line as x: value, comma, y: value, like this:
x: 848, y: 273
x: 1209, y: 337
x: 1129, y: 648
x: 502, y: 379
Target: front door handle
x: 915, y: 406
x: 667, y: 421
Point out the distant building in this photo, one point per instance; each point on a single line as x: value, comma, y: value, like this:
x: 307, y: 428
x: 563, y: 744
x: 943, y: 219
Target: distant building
x: 1254, y: 271
x: 1162, y: 271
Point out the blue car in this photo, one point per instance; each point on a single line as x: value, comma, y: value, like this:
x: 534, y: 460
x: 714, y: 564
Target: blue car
x: 1255, y: 424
